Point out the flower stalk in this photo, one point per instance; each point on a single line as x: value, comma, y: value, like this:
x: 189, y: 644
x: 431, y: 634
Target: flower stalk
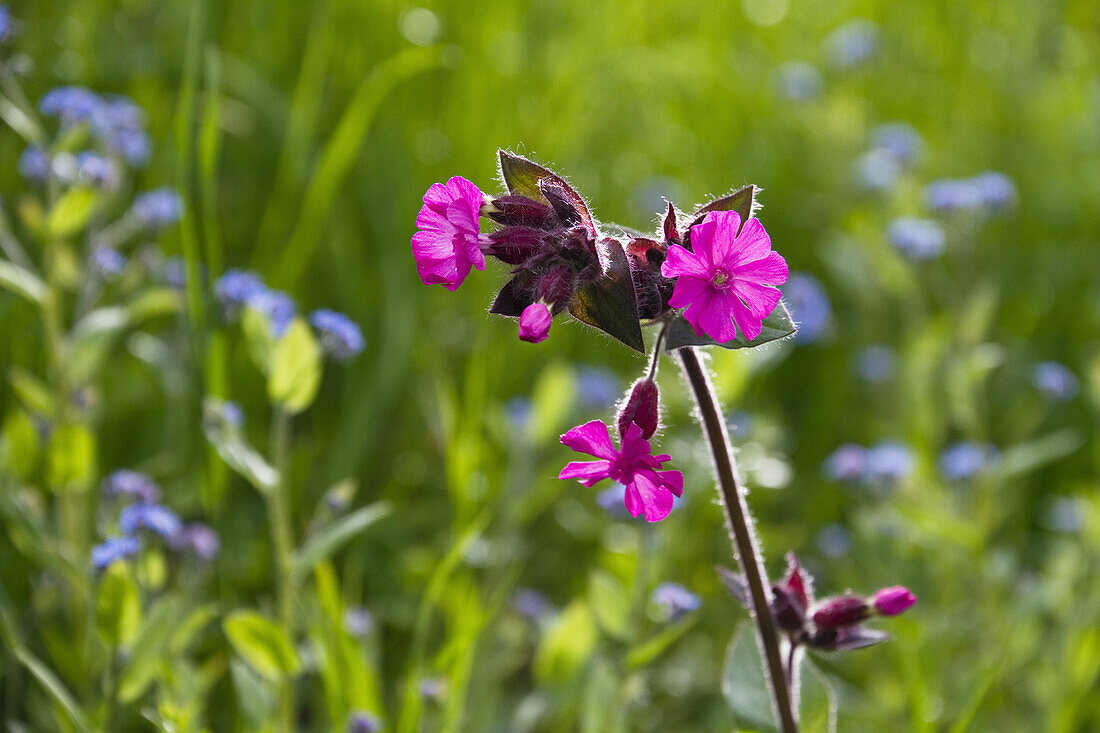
x: 282, y: 537
x: 744, y: 539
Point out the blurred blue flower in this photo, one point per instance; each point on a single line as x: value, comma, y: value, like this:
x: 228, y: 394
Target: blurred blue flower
x: 917, y: 239
x: 531, y: 604
x: 173, y: 271
x: 877, y: 170
x: 199, y: 539
x: 95, y: 170
x: 853, y: 43
x: 340, y: 336
x: 963, y: 461
x: 358, y: 621
x: 674, y: 600
x: 1065, y: 514
x: 119, y: 123
x: 996, y: 190
x: 1055, y: 381
x: 130, y: 485
x: 235, y: 288
x: 900, y: 139
x: 70, y: 104
x: 363, y: 722
x: 157, y: 208
x: 114, y: 548
x: 433, y: 688
x: 152, y: 517
x: 7, y: 24
x: 232, y: 413
x: 518, y: 410
x: 611, y: 501
x: 876, y: 363
x: 889, y: 461
x: 34, y: 164
x: 809, y: 307
x: 846, y: 463
x: 739, y: 423
x: 949, y: 195
x: 834, y: 541
x: 799, y: 81
x: 597, y: 388
x: 108, y: 261
x: 278, y: 307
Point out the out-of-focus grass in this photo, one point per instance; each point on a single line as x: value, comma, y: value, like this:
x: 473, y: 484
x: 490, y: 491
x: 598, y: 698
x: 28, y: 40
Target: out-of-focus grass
x: 304, y: 137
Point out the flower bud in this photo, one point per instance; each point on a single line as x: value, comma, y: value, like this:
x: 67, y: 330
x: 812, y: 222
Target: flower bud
x: 555, y: 286
x: 534, y: 323
x: 841, y: 611
x: 517, y: 211
x: 514, y: 245
x: 894, y: 600
x: 641, y: 408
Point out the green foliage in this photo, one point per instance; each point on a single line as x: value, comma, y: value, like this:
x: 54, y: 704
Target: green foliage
x: 296, y: 363
x: 261, y: 643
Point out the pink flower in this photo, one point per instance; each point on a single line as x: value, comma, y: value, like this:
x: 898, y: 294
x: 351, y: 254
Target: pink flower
x: 727, y: 279
x: 449, y: 240
x: 647, y: 491
x: 892, y: 601
x: 534, y: 323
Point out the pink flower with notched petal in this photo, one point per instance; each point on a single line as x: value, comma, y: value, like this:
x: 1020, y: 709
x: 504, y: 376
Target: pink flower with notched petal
x: 449, y: 239
x: 726, y: 283
x: 648, y: 491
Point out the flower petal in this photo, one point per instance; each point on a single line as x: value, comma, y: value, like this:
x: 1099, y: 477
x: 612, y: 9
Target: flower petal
x: 752, y: 244
x: 746, y: 321
x: 725, y: 244
x: 673, y: 481
x: 760, y: 299
x: 679, y: 262
x: 468, y: 193
x: 588, y: 473
x: 687, y: 289
x: 771, y: 270
x: 656, y: 500
x: 591, y: 438
x: 702, y: 239
x: 712, y: 316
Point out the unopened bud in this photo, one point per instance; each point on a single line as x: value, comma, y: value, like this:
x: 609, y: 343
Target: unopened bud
x: 555, y: 286
x: 641, y: 408
x: 841, y: 611
x: 894, y: 600
x: 517, y: 211
x: 514, y: 245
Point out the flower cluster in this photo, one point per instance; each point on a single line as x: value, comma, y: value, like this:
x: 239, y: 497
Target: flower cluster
x: 832, y: 624
x: 236, y: 290
x: 885, y: 463
x: 143, y: 518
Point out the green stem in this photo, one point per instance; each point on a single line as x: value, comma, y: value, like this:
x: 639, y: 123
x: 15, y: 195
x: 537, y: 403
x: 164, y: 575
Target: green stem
x: 282, y: 537
x: 741, y: 531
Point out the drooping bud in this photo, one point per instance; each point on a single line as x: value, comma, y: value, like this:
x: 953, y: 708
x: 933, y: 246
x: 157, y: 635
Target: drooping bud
x: 841, y: 611
x: 641, y: 408
x: 894, y: 600
x: 534, y: 323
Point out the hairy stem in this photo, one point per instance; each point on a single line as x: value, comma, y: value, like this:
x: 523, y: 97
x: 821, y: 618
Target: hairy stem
x: 282, y: 538
x: 741, y: 531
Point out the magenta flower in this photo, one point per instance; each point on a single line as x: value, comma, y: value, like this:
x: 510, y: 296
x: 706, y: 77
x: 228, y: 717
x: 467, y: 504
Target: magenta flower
x: 534, y: 323
x: 449, y: 239
x: 726, y: 283
x: 648, y: 491
x: 893, y: 600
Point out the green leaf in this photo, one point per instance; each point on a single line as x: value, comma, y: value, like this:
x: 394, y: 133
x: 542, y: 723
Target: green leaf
x: 117, y: 608
x: 71, y: 212
x: 237, y: 453
x: 255, y: 695
x: 336, y: 535
x: 610, y: 603
x: 257, y: 335
x: 186, y: 632
x: 609, y: 303
x: 523, y: 178
x: 651, y: 649
x: 71, y: 458
x: 742, y: 201
x: 263, y: 644
x: 149, y: 647
x: 22, y: 282
x: 33, y: 392
x: 19, y: 446
x: 818, y: 703
x: 296, y: 363
x: 744, y: 685
x: 567, y: 645
x: 776, y: 326
x: 1024, y: 458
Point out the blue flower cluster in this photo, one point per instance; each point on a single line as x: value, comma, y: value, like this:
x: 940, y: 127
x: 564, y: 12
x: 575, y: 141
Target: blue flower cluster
x: 809, y: 305
x: 887, y: 462
x: 853, y: 44
x: 157, y: 209
x: 916, y: 239
x: 236, y: 289
x: 895, y: 146
x: 674, y: 600
x: 963, y: 461
x: 1055, y: 381
x: 116, y: 122
x: 986, y: 192
x: 142, y: 516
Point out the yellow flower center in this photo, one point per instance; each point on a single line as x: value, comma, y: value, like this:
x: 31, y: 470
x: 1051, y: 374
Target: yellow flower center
x: 721, y: 279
